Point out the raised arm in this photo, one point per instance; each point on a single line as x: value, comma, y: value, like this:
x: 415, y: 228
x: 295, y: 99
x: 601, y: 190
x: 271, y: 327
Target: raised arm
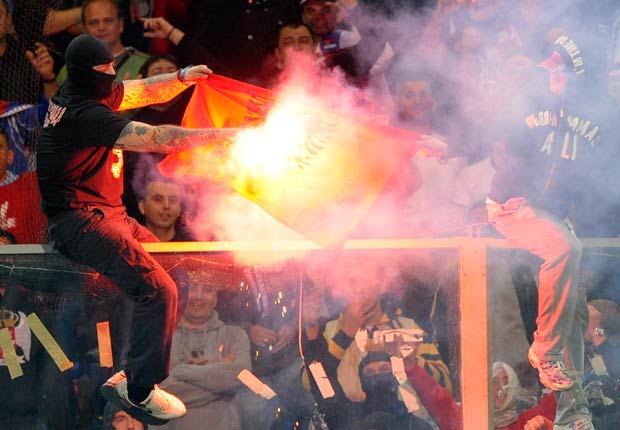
x: 140, y: 137
x: 160, y: 88
x: 61, y: 20
x: 189, y: 49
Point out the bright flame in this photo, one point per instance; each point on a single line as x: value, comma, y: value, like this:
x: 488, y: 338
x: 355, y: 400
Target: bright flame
x: 270, y: 149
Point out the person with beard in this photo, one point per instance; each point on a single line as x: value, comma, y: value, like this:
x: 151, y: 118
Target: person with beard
x: 562, y: 156
x: 79, y: 170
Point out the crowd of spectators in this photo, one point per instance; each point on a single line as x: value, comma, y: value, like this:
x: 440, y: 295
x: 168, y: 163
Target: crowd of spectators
x: 464, y: 74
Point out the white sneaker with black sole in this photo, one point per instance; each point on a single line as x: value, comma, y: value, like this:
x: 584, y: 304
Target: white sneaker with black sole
x: 157, y: 409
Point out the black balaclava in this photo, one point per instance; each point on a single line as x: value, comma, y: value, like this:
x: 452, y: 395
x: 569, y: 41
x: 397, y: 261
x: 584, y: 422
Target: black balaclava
x: 81, y: 55
x: 381, y: 389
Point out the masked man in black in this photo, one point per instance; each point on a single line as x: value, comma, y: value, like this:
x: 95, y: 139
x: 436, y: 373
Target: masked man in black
x: 79, y: 168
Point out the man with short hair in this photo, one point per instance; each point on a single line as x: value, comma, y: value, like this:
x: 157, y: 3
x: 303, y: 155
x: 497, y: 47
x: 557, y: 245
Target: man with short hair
x: 335, y: 44
x: 354, y: 47
x: 207, y: 354
x: 295, y: 38
x: 115, y: 418
x: 322, y: 16
x: 161, y: 203
x: 103, y: 19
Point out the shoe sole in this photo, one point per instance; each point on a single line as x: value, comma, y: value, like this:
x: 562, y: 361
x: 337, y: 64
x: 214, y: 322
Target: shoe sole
x: 536, y: 364
x: 109, y: 393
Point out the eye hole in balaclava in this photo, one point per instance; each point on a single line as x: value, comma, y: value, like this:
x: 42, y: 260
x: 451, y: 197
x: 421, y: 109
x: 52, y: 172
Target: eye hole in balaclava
x: 81, y: 55
x: 381, y: 387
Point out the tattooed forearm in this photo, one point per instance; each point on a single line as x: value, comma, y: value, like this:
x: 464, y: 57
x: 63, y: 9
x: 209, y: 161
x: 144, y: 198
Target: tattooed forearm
x: 153, y: 90
x: 140, y: 137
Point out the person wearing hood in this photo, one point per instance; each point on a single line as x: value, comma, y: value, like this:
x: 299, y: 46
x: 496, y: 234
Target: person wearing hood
x: 513, y: 406
x: 80, y: 176
x: 207, y: 356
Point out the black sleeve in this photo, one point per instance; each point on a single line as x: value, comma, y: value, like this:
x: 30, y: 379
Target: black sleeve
x: 99, y: 126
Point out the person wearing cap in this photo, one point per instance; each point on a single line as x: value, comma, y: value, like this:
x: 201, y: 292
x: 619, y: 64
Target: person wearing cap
x: 558, y: 159
x: 80, y: 176
x: 514, y: 408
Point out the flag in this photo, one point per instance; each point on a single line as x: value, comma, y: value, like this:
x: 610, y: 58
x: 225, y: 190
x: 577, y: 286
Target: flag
x: 326, y: 183
x: 218, y: 102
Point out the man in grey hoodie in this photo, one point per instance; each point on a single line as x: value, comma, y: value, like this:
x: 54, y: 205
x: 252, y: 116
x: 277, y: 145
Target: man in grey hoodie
x: 207, y: 355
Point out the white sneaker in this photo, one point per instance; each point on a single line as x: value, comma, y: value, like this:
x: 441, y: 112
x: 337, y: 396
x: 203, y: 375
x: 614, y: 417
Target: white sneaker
x: 159, y: 404
x: 581, y: 423
x: 552, y: 373
x: 159, y: 407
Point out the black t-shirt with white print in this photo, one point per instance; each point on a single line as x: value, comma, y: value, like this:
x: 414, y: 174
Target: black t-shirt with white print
x: 76, y: 162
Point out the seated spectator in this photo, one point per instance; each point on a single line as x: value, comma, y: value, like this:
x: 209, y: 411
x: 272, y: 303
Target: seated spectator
x: 207, y: 355
x: 38, y: 398
x: 513, y: 407
x: 602, y: 369
x: 170, y: 112
x: 160, y: 202
x: 267, y: 309
x: 345, y: 341
x: 117, y: 419
x: 382, y: 395
x: 20, y: 211
x: 103, y: 19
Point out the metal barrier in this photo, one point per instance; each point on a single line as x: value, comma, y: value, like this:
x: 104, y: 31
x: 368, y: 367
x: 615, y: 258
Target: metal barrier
x: 475, y: 357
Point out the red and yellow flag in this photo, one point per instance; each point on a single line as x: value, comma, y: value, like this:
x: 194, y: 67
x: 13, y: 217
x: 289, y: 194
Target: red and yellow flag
x: 312, y: 169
